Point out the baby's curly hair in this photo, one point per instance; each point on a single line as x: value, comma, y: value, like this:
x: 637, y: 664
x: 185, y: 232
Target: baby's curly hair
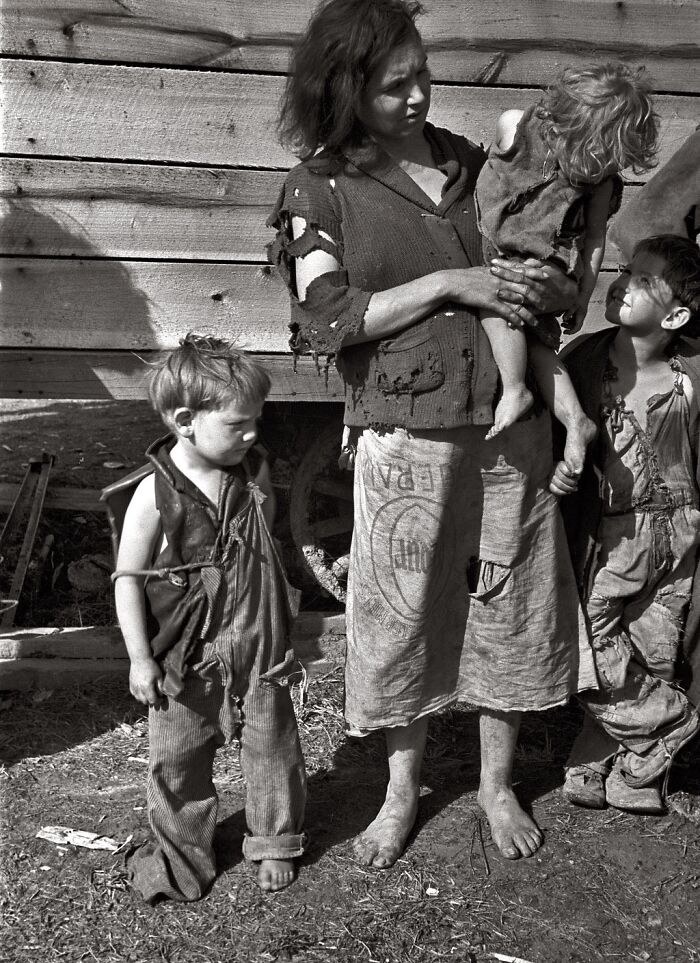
x: 203, y: 374
x: 599, y: 120
x: 681, y: 272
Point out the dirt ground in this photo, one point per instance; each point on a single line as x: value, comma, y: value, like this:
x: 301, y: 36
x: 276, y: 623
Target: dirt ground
x: 606, y: 885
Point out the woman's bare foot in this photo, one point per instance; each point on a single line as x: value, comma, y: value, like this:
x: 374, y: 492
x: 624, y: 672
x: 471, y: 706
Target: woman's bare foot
x: 512, y: 830
x: 579, y: 435
x: 515, y: 401
x: 381, y: 844
x: 276, y: 874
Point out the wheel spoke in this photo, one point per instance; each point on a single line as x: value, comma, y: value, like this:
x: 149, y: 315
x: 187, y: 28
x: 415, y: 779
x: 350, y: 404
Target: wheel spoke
x: 320, y: 511
x: 338, y: 525
x: 326, y: 486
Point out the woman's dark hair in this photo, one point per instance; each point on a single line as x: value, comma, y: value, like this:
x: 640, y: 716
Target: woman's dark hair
x: 344, y: 43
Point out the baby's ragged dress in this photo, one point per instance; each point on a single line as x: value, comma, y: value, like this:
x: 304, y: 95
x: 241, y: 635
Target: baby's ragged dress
x: 527, y: 208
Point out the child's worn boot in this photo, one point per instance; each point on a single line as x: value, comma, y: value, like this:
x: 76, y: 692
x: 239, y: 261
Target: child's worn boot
x: 584, y: 786
x: 647, y: 800
x: 639, y: 771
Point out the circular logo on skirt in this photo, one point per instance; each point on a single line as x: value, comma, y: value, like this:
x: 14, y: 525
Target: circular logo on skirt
x: 412, y: 550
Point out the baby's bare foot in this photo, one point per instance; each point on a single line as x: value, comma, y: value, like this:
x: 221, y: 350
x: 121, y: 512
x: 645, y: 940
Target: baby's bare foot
x: 381, y: 844
x: 275, y: 874
x: 512, y: 830
x: 579, y: 435
x: 515, y: 401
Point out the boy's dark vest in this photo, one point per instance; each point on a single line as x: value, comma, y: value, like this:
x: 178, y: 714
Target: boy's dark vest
x: 221, y: 552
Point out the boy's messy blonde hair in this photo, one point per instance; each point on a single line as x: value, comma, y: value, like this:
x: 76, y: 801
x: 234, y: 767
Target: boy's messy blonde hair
x: 599, y: 120
x: 205, y: 373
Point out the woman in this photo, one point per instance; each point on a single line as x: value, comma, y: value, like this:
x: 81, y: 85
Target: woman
x: 453, y: 535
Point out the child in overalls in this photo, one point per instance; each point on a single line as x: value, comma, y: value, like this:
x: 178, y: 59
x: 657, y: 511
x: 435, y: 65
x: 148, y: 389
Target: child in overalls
x: 634, y: 526
x: 546, y: 191
x: 206, y: 612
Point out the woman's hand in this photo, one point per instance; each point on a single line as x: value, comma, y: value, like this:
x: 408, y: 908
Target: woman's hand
x: 491, y: 292
x: 542, y: 287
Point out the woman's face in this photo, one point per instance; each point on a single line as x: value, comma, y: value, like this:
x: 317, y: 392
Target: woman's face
x: 397, y: 97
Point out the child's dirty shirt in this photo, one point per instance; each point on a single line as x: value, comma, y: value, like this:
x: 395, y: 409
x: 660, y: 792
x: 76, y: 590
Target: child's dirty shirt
x: 649, y: 528
x: 642, y: 575
x: 653, y: 467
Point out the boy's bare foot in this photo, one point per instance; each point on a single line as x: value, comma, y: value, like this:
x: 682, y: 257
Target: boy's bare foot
x: 512, y: 830
x: 579, y: 435
x: 381, y: 844
x: 275, y: 874
x: 515, y: 401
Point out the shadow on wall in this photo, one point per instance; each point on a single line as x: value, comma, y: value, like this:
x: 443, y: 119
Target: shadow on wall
x: 80, y: 301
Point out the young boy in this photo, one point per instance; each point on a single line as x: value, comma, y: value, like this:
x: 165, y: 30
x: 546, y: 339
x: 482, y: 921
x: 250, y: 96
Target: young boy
x: 206, y: 612
x: 634, y: 525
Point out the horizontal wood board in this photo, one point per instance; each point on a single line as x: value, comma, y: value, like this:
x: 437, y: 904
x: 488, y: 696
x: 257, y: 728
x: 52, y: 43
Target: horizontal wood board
x: 86, y: 208
x: 158, y: 246
x: 139, y: 304
x: 98, y: 304
x: 507, y: 42
x: 203, y: 117
x: 123, y: 375
x: 107, y: 209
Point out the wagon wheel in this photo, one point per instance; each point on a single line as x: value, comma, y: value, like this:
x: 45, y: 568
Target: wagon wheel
x: 320, y: 512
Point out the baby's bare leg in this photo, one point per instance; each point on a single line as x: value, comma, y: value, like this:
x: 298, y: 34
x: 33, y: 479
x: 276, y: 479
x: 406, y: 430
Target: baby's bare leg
x: 559, y: 393
x: 509, y: 348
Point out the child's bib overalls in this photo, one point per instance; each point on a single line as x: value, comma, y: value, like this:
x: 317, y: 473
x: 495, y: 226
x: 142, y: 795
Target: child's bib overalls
x: 641, y: 581
x: 222, y: 623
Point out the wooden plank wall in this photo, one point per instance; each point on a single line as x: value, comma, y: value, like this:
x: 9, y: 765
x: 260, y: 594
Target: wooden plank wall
x: 140, y: 161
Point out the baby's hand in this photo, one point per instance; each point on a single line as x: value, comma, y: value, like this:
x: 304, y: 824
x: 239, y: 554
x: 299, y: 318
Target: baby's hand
x: 563, y: 480
x: 572, y: 321
x: 145, y: 679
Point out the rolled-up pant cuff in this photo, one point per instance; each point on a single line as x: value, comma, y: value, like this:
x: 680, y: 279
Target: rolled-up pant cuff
x: 273, y: 847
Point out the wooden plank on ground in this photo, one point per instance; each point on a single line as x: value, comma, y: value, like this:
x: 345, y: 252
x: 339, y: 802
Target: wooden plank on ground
x: 57, y: 499
x: 91, y: 209
x: 82, y: 209
x: 106, y: 642
x: 495, y: 41
x: 28, y: 674
x: 122, y: 375
x: 51, y: 658
x: 204, y: 117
